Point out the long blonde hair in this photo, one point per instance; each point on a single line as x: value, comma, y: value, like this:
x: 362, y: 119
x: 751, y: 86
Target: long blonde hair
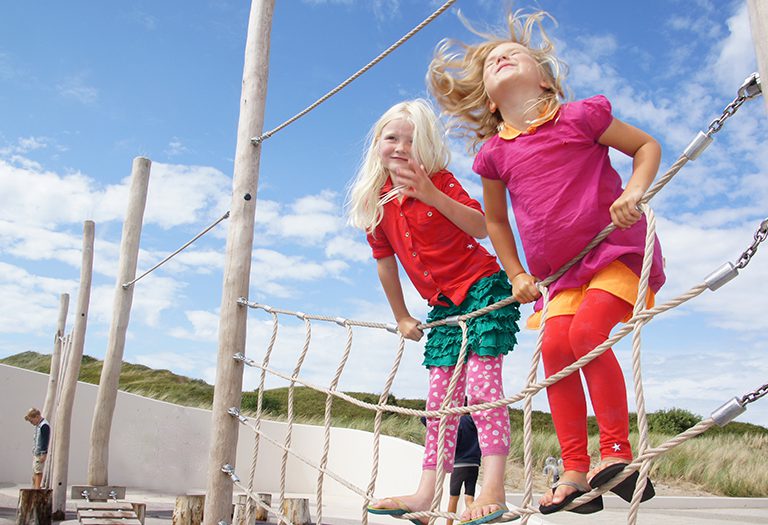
x: 429, y: 149
x: 455, y: 75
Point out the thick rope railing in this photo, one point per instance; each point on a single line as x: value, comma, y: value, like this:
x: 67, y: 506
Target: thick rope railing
x: 640, y: 317
x: 259, y: 406
x: 264, y: 136
x: 174, y: 254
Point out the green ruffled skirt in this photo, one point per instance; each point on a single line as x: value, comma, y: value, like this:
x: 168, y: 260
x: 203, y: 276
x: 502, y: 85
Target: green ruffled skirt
x: 491, y: 335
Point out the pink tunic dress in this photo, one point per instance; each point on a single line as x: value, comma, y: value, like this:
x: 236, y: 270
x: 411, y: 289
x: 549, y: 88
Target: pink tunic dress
x: 561, y: 184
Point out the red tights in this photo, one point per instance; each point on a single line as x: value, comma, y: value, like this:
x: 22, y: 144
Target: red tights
x: 566, y: 339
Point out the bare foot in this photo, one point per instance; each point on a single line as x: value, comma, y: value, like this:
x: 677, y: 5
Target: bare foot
x: 482, y: 506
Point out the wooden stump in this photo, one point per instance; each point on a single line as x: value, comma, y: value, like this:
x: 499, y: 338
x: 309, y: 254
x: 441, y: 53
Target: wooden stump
x: 258, y: 513
x: 141, y: 511
x: 189, y: 510
x: 34, y: 507
x: 296, y: 510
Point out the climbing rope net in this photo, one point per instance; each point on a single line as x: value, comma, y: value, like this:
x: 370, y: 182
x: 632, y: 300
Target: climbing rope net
x: 641, y: 316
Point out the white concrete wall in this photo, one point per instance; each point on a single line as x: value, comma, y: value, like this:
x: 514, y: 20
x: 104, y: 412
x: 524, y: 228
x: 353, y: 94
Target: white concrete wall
x: 164, y: 447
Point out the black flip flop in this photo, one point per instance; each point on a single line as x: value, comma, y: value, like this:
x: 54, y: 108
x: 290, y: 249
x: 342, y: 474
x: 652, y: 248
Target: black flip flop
x: 626, y: 488
x: 589, y: 507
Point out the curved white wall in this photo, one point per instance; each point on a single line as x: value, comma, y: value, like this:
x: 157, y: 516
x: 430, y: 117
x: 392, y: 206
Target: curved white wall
x: 164, y: 447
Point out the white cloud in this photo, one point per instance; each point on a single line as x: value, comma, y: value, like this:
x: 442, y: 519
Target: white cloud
x: 77, y: 88
x: 348, y: 248
x: 736, y: 57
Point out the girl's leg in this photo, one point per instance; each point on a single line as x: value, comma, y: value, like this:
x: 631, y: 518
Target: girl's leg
x: 598, y: 314
x: 439, y: 378
x: 484, y: 384
x: 566, y: 397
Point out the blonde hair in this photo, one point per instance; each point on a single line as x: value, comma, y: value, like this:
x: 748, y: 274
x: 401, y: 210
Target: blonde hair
x: 455, y: 75
x: 429, y: 149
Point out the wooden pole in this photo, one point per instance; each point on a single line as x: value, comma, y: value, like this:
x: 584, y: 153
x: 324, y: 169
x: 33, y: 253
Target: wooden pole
x: 69, y: 384
x: 106, y: 399
x: 758, y: 20
x: 53, y: 377
x: 237, y: 267
x: 189, y: 510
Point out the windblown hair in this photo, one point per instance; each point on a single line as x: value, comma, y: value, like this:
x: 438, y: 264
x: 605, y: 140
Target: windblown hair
x: 455, y: 75
x: 429, y: 149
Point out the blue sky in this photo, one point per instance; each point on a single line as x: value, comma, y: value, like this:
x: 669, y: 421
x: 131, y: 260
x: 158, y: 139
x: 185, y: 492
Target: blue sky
x: 85, y: 87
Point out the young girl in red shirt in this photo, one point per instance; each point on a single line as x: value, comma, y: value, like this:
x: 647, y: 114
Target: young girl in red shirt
x: 415, y: 211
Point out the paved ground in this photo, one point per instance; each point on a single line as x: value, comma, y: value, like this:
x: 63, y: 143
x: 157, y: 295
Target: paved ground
x: 667, y: 510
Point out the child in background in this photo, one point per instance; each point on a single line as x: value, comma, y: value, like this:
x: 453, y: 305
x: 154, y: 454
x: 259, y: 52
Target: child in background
x: 552, y: 159
x: 415, y: 211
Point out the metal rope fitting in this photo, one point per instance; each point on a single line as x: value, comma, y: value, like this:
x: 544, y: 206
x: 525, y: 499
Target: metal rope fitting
x: 229, y: 470
x: 452, y: 320
x: 751, y: 87
x: 301, y: 315
x: 340, y: 321
x: 721, y: 276
x: 392, y: 328
x: 697, y: 145
x: 243, y: 301
x: 728, y: 412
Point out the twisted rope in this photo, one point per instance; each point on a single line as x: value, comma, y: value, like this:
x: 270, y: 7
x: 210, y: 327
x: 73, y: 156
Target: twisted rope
x: 171, y: 256
x: 299, y: 362
x: 259, y: 403
x: 258, y: 140
x: 327, y: 423
x: 377, y: 424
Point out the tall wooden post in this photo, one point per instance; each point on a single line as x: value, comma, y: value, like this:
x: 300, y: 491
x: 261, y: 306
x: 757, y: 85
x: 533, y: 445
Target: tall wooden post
x: 758, y: 21
x: 98, y: 456
x: 69, y: 383
x: 53, y: 377
x: 232, y: 326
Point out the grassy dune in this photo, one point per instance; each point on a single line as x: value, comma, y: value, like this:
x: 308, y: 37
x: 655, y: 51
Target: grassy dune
x: 729, y: 461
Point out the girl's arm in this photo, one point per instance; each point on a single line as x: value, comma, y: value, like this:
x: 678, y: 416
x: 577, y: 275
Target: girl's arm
x: 495, y: 197
x: 390, y: 281
x: 646, y: 157
x: 420, y: 186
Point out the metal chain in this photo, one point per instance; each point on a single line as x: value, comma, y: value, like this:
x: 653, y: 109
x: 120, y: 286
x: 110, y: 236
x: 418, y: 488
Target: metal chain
x: 749, y: 89
x: 755, y: 395
x: 760, y: 235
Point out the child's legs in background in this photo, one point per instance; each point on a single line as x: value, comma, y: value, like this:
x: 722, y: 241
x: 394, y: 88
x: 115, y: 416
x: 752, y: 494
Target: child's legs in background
x: 439, y: 379
x: 598, y: 313
x: 566, y: 397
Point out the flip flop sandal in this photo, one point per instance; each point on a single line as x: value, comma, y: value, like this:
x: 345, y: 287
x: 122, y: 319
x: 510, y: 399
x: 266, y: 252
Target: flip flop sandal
x: 589, y: 507
x: 626, y: 488
x: 493, y: 517
x: 401, y: 509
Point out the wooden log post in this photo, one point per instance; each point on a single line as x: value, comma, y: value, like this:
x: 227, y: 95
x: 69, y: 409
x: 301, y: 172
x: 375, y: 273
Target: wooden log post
x: 34, y: 507
x: 141, y: 511
x: 64, y: 413
x: 53, y: 376
x: 296, y: 510
x: 257, y: 513
x: 106, y: 399
x: 189, y: 510
x: 758, y: 21
x: 237, y: 266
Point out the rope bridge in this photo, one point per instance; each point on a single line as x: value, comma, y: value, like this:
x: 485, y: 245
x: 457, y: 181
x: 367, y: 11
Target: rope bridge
x: 641, y: 316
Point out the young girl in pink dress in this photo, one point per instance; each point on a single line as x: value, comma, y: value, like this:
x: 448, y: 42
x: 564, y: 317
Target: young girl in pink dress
x: 552, y: 159
x: 416, y: 212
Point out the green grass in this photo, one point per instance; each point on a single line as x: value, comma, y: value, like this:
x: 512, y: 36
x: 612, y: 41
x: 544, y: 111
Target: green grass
x: 728, y: 461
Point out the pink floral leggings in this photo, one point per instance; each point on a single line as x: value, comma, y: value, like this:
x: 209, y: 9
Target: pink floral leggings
x: 481, y: 382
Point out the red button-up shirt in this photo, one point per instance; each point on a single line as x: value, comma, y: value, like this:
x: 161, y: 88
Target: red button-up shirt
x: 439, y: 258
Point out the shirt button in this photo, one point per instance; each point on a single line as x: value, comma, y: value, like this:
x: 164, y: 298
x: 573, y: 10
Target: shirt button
x: 426, y: 273
x: 414, y: 254
x: 429, y: 214
x: 407, y: 234
x: 451, y: 185
x: 401, y: 214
